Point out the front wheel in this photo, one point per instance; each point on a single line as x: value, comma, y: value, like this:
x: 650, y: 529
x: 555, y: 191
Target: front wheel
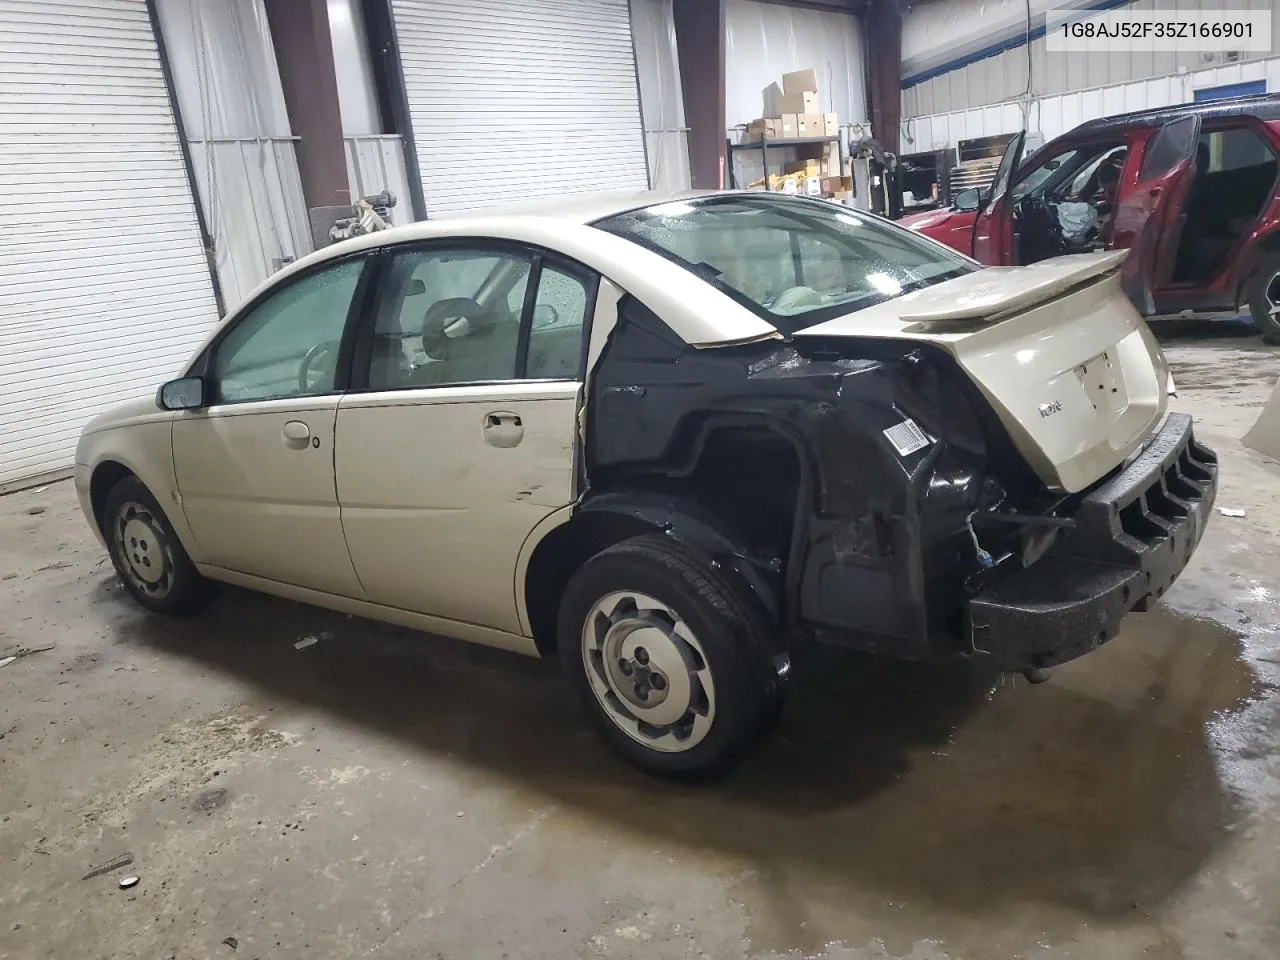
x: 669, y: 657
x: 148, y: 557
x: 1264, y: 299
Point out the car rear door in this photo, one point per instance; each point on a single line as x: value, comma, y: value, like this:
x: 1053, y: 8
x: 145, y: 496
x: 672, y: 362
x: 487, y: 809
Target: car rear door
x: 460, y: 433
x: 1149, y: 214
x: 993, y: 227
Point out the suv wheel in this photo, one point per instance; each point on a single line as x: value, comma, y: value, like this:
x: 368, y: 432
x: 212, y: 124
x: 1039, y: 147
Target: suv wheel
x: 669, y: 658
x: 1264, y: 299
x: 148, y: 557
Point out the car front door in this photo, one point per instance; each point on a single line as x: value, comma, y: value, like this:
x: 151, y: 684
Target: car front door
x: 255, y: 467
x: 463, y: 434
x: 993, y: 228
x: 1148, y: 217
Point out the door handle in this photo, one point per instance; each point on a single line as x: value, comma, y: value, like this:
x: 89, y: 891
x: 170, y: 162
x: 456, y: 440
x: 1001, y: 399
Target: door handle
x: 297, y: 435
x: 503, y: 429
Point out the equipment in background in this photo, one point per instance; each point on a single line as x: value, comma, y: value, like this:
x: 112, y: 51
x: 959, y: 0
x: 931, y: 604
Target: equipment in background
x: 368, y: 215
x: 924, y: 180
x: 874, y: 179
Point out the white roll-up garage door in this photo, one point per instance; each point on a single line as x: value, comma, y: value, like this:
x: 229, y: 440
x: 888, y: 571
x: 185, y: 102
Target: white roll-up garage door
x: 520, y: 99
x: 104, y: 287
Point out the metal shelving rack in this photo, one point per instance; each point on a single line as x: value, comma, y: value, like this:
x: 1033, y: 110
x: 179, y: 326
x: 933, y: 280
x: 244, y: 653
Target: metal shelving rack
x: 764, y: 146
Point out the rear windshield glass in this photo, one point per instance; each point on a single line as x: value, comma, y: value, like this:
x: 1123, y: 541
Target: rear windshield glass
x: 792, y: 260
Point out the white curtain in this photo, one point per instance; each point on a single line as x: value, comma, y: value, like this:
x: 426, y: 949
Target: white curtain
x: 765, y: 40
x: 233, y: 113
x: 653, y: 31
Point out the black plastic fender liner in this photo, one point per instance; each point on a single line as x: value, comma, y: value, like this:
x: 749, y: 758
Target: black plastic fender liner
x: 696, y: 527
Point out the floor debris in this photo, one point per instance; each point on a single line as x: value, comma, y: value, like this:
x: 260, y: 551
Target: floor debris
x: 35, y: 511
x: 231, y: 942
x: 1230, y: 512
x: 127, y: 882
x: 306, y: 642
x: 115, y: 863
x: 6, y: 661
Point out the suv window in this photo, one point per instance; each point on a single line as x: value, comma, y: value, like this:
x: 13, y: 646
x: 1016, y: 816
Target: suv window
x: 1042, y: 173
x: 287, y: 346
x: 1235, y: 149
x: 1169, y: 147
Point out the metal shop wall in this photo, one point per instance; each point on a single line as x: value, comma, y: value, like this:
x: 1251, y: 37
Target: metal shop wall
x: 105, y: 289
x: 960, y: 55
x: 1054, y: 116
x: 513, y: 100
x: 765, y: 40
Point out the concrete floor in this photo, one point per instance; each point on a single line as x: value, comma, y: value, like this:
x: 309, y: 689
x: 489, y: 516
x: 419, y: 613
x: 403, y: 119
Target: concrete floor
x: 384, y: 794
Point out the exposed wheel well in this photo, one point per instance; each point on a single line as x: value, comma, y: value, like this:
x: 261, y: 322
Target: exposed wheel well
x: 748, y: 477
x: 105, y: 476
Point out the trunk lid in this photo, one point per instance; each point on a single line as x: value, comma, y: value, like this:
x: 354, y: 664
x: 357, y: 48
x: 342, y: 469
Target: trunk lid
x: 1058, y: 350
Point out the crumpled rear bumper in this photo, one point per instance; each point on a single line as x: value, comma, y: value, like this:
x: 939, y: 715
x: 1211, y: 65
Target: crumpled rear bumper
x: 1133, y: 535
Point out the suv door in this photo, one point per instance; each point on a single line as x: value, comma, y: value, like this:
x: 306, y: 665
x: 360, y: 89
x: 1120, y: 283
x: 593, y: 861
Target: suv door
x: 1148, y: 217
x: 464, y: 434
x: 255, y: 467
x: 993, y: 228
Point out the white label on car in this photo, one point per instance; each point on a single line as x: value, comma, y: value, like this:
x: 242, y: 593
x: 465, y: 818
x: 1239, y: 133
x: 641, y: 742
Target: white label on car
x: 907, y: 438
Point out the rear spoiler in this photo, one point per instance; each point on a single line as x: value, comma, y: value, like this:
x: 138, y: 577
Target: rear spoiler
x: 991, y: 301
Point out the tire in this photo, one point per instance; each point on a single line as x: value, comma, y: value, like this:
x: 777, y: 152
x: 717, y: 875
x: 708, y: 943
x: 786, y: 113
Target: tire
x: 1264, y: 298
x: 710, y: 654
x: 149, y: 559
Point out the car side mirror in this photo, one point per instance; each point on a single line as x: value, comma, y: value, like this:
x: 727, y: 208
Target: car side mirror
x: 185, y: 393
x: 967, y: 200
x: 416, y: 288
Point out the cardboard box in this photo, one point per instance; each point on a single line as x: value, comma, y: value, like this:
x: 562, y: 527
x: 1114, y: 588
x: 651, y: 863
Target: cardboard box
x: 831, y: 161
x: 765, y: 128
x: 800, y: 81
x: 830, y: 125
x: 789, y: 124
x: 810, y: 125
x: 805, y: 168
x: 813, y: 186
x: 770, y: 96
x: 806, y: 102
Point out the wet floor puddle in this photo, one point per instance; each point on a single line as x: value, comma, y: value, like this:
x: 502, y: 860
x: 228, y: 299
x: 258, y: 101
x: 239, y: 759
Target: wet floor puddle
x: 901, y: 802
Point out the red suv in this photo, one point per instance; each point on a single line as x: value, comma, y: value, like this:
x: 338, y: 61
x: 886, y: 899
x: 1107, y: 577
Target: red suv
x: 1190, y: 191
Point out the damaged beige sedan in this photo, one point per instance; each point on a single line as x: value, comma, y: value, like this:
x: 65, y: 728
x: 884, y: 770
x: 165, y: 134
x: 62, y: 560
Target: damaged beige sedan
x: 675, y: 443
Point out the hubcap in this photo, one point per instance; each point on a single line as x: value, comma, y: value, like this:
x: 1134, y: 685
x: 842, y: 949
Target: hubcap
x: 1272, y: 295
x: 145, y: 556
x: 648, y: 671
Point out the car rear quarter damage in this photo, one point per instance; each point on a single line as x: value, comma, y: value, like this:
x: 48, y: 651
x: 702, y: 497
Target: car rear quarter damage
x: 866, y: 494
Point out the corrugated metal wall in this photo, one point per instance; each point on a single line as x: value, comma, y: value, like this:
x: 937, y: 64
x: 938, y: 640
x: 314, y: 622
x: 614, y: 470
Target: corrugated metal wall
x: 1055, y: 115
x: 1003, y: 77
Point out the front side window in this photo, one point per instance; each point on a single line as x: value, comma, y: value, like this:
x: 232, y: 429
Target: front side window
x: 287, y: 345
x: 794, y: 262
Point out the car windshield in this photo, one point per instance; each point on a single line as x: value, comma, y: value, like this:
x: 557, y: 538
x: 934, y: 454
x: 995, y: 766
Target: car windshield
x: 793, y: 261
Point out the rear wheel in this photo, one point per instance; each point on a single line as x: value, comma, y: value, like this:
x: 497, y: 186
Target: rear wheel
x: 669, y: 658
x: 148, y: 557
x: 1264, y: 299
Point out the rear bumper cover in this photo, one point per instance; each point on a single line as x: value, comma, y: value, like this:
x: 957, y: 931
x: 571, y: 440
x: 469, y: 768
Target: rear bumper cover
x: 1133, y: 535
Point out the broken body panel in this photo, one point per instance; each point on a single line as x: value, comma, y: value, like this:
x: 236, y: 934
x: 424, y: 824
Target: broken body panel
x: 890, y: 480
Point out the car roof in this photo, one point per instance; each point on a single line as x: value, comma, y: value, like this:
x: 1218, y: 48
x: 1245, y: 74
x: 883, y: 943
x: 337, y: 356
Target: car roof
x: 1264, y: 106
x: 696, y: 310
